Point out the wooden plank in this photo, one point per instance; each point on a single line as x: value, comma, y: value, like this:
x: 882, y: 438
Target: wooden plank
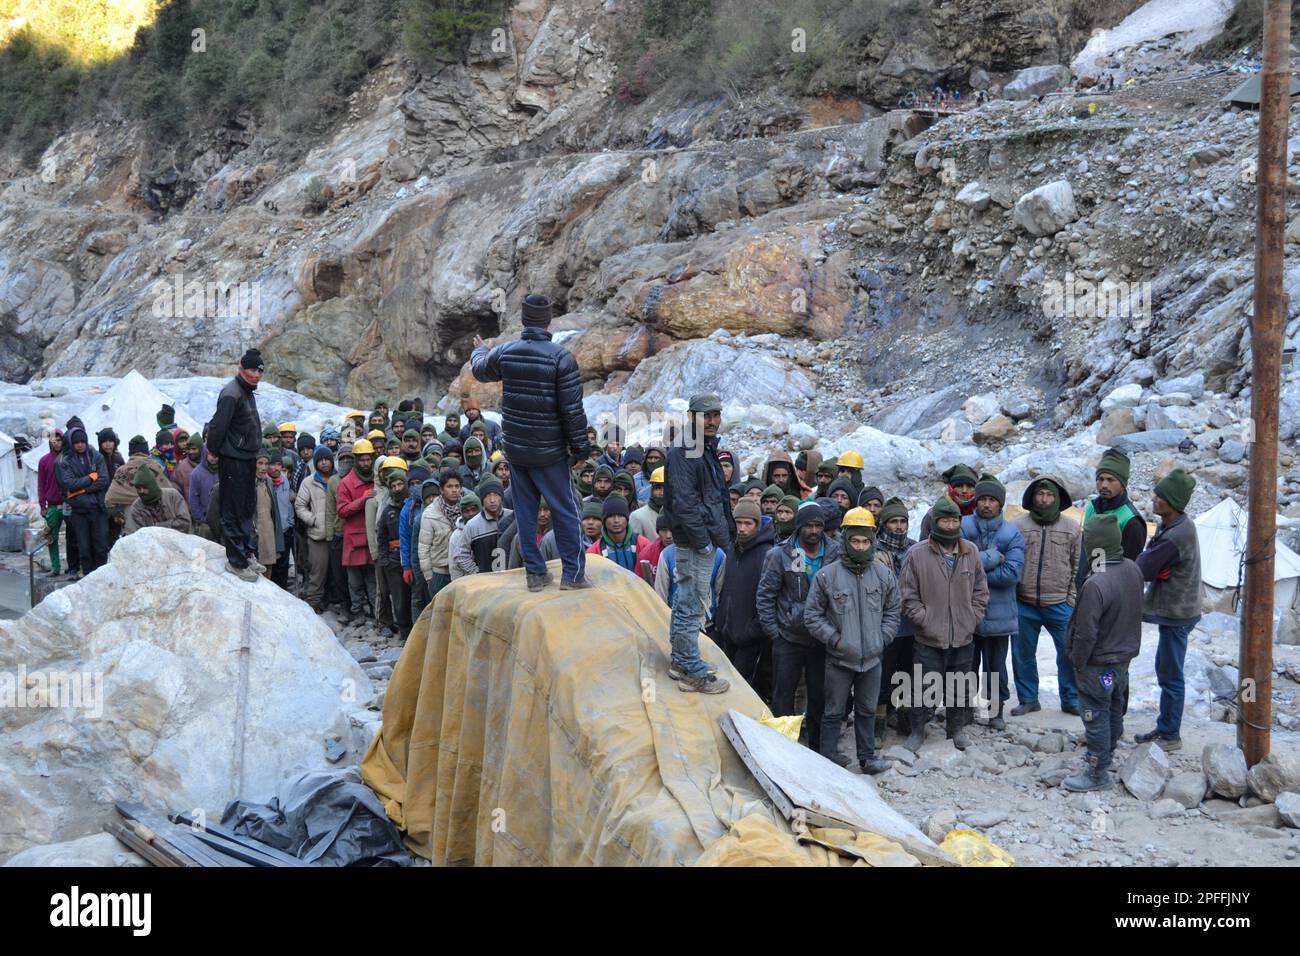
x: 154, y: 826
x: 147, y: 850
x: 228, y: 841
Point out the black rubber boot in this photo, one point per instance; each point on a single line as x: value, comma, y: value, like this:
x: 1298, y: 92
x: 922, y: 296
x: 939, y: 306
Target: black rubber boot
x: 917, y: 738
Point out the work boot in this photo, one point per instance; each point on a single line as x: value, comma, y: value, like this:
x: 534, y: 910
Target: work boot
x: 1092, y: 777
x: 1030, y: 708
x: 960, y: 740
x: 674, y: 673
x: 1167, y: 744
x: 917, y: 738
x: 244, y: 574
x: 997, y: 723
x: 708, y: 684
x: 873, y: 765
x: 579, y: 585
x: 537, y: 582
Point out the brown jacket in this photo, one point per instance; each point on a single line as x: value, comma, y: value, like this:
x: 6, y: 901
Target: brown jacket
x: 264, y: 522
x: 169, y: 512
x: 943, y: 607
x: 121, y: 492
x: 1051, y: 553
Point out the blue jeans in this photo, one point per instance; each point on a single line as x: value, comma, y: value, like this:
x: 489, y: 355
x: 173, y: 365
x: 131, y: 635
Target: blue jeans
x: 552, y: 482
x: 1024, y: 648
x: 1171, y: 652
x: 690, y: 598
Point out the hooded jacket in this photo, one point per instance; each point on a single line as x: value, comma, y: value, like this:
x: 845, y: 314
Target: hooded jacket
x: 854, y: 613
x: 945, y: 607
x: 1002, y: 554
x: 202, y: 481
x: 121, y: 492
x: 1051, y: 551
x: 737, y: 616
x: 783, y: 590
x: 47, y: 485
x: 791, y: 487
x: 543, y: 421
x: 82, y: 478
x: 351, y: 507
x: 814, y: 458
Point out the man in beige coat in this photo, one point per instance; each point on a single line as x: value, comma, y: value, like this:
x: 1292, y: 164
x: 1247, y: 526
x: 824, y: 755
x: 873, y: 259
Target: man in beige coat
x: 314, y: 507
x: 1046, y: 592
x: 437, y: 522
x: 945, y: 594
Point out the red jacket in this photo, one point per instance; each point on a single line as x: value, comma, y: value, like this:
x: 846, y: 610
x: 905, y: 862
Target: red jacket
x: 353, y: 492
x: 644, y: 552
x: 48, y: 491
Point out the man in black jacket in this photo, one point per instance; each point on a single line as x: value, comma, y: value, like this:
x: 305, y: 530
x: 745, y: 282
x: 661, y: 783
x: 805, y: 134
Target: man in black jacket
x: 236, y: 433
x: 83, y: 477
x: 1105, y: 633
x: 544, y: 432
x: 736, y: 619
x: 699, y: 512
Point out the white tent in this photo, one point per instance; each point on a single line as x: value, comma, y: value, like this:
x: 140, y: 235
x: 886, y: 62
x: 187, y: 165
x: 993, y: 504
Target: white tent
x: 11, y: 475
x: 130, y: 408
x: 1221, y: 532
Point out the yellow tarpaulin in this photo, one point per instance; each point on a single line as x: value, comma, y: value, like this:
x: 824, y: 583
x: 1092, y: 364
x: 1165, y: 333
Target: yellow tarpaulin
x: 526, y: 728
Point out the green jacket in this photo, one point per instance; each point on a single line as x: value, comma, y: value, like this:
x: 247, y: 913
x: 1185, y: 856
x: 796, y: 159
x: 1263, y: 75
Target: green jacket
x: 854, y: 613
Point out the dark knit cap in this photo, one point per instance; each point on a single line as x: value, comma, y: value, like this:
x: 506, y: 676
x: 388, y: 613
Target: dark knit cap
x: 614, y: 505
x: 604, y: 471
x: 269, y: 430
x: 306, y: 441
x: 832, y: 513
x: 826, y: 468
x: 745, y: 508
x: 593, y: 509
x: 164, y: 437
x: 960, y: 474
x: 490, y: 484
x: 790, y: 501
x: 166, y: 415
x: 945, y: 507
x: 321, y: 453
x: 1114, y: 462
x: 625, y: 479
x: 893, y: 508
x: 536, y: 311
x: 633, y: 454
x: 663, y: 523
x: 138, y: 445
x: 844, y: 485
x: 196, y: 441
x: 808, y: 513
x: 1101, y: 533
x: 252, y: 359
x: 989, y: 485
x: 107, y: 434
x: 773, y: 491
x: 870, y: 493
x: 469, y: 498
x: 1176, y: 488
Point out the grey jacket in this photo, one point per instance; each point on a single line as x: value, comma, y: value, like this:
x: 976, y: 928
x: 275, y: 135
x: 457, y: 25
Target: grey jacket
x: 855, y: 614
x: 783, y: 590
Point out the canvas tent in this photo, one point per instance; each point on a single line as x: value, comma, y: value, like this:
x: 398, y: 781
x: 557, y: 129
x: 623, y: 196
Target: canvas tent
x: 130, y: 408
x: 12, y: 477
x: 1221, y: 532
x: 1247, y: 94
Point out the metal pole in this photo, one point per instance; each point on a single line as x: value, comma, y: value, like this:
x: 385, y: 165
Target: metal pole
x: 1255, y: 712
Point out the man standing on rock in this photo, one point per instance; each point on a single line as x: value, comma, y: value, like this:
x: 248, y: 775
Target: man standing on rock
x: 1112, y: 497
x: 544, y: 432
x: 235, y: 433
x: 1171, y: 564
x: 699, y: 513
x: 1046, y: 592
x: 1105, y: 634
x: 1002, y: 552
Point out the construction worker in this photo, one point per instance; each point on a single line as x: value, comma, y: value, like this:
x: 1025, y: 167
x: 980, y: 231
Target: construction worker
x: 854, y: 609
x: 850, y: 465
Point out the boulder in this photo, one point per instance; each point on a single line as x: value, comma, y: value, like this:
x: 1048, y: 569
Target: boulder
x: 1145, y: 772
x: 1150, y: 440
x: 1232, y: 451
x: 803, y: 435
x: 1164, y: 808
x: 1034, y: 81
x: 1288, y: 808
x: 1116, y: 422
x: 980, y: 408
x: 995, y: 429
x: 914, y: 414
x: 892, y: 458
x: 1192, y: 385
x: 1046, y: 210
x: 97, y: 849
x: 768, y: 418
x: 1225, y: 770
x: 1188, y: 789
x: 1126, y: 396
x: 150, y: 696
x: 1276, y: 773
x: 738, y: 375
x: 974, y: 196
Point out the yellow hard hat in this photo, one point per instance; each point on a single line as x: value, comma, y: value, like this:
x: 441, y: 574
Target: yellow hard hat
x: 363, y: 447
x: 657, y: 476
x: 375, y: 433
x: 850, y: 459
x: 356, y: 414
x: 394, y: 461
x: 497, y: 456
x: 858, y: 518
x: 288, y: 427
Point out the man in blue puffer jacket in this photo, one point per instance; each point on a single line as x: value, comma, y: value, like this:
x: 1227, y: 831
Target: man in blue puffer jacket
x: 1002, y: 552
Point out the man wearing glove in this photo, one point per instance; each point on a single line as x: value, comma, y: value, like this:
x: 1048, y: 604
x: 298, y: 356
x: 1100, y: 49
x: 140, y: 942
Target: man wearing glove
x: 698, y: 509
x: 83, y: 476
x: 544, y: 432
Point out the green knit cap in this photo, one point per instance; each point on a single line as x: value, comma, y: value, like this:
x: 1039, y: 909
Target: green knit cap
x: 775, y: 492
x: 790, y: 501
x: 145, y: 479
x: 625, y: 479
x: 1176, y: 488
x: 269, y: 430
x: 1101, y: 533
x: 593, y: 509
x: 893, y: 508
x: 945, y: 507
x: 1116, y: 463
x: 469, y: 498
x: 960, y: 472
x: 604, y: 471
